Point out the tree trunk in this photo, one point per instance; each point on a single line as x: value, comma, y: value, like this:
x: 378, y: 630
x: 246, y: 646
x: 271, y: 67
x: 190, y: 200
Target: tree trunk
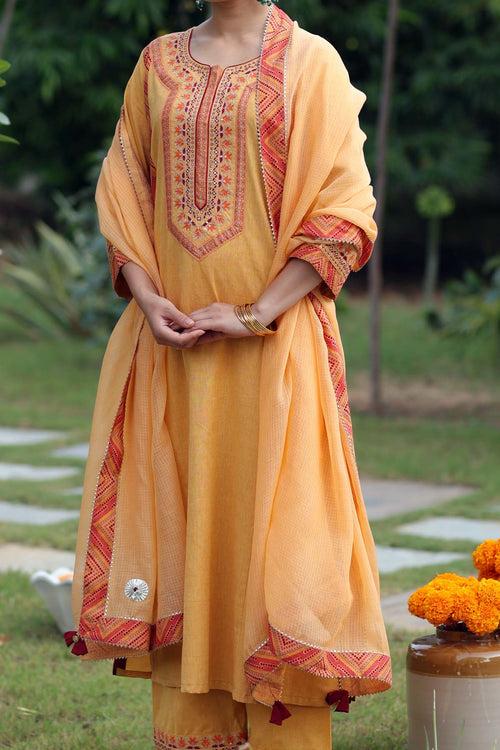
x: 5, y: 22
x: 375, y: 266
x: 431, y: 262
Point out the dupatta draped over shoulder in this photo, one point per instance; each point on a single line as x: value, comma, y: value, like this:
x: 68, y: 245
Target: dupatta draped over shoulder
x: 312, y: 597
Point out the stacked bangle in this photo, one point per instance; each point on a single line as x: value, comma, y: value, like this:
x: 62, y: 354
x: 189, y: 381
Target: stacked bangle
x: 245, y: 315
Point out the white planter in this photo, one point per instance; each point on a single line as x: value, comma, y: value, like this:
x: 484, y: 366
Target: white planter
x: 55, y: 590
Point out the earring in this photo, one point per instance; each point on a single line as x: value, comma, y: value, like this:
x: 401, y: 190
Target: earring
x: 268, y: 2
x: 199, y: 4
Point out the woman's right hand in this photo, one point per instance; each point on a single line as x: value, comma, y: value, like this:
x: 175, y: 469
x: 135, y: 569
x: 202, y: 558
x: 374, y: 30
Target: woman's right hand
x: 168, y: 324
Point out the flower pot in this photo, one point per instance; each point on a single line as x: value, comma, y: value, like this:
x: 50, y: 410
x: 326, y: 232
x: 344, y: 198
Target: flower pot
x: 453, y: 691
x: 55, y: 590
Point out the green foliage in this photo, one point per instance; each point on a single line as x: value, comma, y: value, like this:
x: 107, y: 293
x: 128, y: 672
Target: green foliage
x: 71, y: 63
x: 434, y: 202
x: 473, y: 303
x: 63, y: 278
x: 4, y: 120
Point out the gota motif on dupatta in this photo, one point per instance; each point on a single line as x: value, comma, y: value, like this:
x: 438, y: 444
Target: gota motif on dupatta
x: 204, y: 123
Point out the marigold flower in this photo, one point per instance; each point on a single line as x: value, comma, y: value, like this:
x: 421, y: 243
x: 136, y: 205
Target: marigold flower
x: 486, y: 558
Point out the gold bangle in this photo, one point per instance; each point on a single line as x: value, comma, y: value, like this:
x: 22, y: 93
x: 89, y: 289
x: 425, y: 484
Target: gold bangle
x: 245, y: 315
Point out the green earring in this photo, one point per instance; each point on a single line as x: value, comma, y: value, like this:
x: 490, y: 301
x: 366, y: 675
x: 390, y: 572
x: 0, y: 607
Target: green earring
x: 268, y: 2
x: 199, y: 4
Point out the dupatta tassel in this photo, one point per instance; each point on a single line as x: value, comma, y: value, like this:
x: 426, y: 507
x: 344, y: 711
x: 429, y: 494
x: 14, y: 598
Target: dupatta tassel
x: 279, y: 713
x: 79, y: 647
x: 341, y: 697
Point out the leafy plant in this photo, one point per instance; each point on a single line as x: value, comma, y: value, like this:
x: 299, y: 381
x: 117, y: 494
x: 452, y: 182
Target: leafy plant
x: 4, y: 120
x: 472, y: 304
x: 63, y: 278
x: 433, y: 203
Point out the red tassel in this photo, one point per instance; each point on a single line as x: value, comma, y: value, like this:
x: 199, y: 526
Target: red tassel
x: 279, y: 713
x: 340, y: 696
x: 79, y: 647
x: 68, y: 637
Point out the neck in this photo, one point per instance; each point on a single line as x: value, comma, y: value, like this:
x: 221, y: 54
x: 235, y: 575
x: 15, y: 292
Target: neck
x: 238, y: 19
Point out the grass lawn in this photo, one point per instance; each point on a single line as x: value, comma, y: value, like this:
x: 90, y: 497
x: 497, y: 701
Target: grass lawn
x: 441, y: 424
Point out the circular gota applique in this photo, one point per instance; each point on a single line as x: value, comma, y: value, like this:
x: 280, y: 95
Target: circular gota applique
x: 136, y: 589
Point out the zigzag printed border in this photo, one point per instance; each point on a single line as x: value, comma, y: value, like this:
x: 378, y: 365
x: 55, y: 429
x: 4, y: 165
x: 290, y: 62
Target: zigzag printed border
x: 279, y: 647
x: 270, y: 106
x: 337, y: 371
x: 94, y: 626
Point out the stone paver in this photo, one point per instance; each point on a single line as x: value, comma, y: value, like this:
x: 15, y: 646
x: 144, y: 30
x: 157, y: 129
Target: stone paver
x: 23, y: 436
x: 35, y: 473
x: 395, y: 612
x: 390, y: 559
x: 80, y: 451
x: 17, y: 513
x: 453, y: 527
x: 386, y: 497
x: 30, y: 559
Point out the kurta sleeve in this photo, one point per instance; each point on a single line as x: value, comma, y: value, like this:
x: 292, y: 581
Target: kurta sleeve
x: 135, y: 148
x: 337, y: 234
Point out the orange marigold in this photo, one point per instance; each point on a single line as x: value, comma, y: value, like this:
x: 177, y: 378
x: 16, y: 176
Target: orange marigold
x: 486, y: 558
x: 450, y: 598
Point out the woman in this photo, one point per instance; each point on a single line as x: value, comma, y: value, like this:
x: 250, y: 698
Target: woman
x: 224, y: 549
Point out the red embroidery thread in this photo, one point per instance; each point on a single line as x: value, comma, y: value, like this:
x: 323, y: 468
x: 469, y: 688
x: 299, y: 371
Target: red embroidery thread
x: 166, y: 741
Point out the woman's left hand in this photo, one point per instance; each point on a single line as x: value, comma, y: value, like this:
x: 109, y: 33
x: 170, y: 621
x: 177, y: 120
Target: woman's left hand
x: 219, y: 321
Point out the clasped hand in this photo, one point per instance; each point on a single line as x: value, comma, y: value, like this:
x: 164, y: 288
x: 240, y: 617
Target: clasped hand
x: 171, y: 327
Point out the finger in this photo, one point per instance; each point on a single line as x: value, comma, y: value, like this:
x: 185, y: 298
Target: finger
x: 173, y: 338
x: 208, y: 322
x: 179, y: 317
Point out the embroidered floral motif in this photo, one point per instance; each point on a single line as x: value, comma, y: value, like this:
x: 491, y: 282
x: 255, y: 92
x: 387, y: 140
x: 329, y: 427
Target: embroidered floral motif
x: 165, y: 741
x: 204, y: 123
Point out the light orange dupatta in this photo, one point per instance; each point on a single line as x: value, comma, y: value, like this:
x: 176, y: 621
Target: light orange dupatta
x: 313, y: 596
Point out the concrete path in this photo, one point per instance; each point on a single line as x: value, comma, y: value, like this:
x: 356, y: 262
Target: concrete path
x: 18, y: 513
x: 453, y: 527
x: 35, y: 473
x: 386, y: 497
x: 22, y: 436
x: 383, y: 498
x: 29, y: 559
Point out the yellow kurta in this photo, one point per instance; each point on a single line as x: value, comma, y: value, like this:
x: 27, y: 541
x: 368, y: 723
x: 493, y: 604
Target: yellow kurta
x: 223, y: 539
x: 213, y: 414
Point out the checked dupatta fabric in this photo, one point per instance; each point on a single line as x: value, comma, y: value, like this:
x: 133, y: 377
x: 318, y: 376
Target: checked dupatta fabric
x: 313, y: 597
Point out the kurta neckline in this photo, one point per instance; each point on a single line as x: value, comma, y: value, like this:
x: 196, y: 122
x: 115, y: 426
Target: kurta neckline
x: 240, y: 67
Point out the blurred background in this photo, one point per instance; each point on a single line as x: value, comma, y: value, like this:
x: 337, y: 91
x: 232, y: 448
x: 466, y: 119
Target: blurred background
x: 425, y: 326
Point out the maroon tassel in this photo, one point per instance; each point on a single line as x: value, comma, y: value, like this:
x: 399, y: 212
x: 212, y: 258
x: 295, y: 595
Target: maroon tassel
x: 119, y: 663
x: 343, y: 698
x: 79, y: 647
x: 279, y: 713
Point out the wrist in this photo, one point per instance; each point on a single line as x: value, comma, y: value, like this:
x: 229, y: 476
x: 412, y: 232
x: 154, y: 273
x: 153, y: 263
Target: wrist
x: 145, y: 298
x: 264, y: 312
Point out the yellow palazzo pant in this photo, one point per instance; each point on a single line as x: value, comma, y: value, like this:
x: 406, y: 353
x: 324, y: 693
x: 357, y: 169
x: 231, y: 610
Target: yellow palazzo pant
x: 214, y: 720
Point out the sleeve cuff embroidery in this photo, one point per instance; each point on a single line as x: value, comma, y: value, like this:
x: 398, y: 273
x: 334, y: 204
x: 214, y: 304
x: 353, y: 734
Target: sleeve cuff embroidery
x: 335, y: 247
x: 116, y: 260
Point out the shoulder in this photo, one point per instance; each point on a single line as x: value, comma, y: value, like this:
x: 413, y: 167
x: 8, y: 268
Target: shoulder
x: 317, y: 52
x: 154, y: 47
